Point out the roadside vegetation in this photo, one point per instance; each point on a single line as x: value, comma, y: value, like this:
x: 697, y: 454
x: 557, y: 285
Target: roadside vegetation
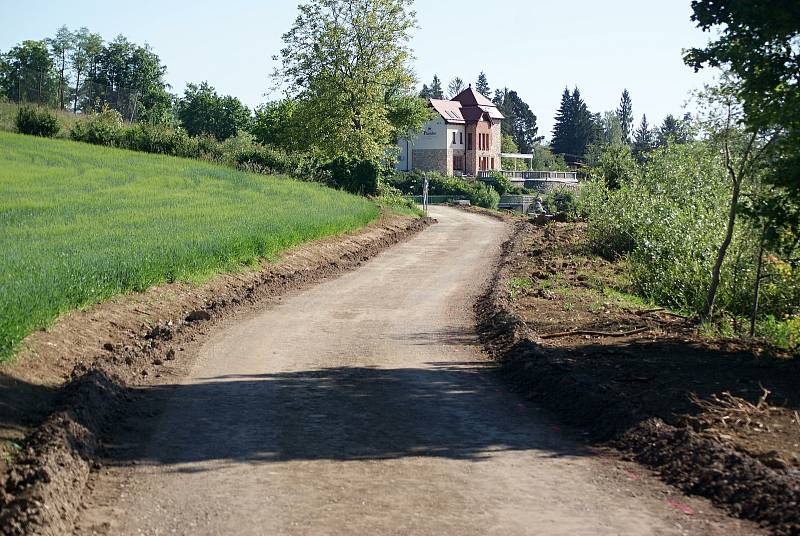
x: 706, y: 211
x: 82, y: 223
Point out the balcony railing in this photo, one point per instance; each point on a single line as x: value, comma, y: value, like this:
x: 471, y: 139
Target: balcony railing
x: 555, y: 176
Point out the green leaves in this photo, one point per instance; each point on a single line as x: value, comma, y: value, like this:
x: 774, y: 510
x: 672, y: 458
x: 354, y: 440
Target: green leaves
x: 345, y: 62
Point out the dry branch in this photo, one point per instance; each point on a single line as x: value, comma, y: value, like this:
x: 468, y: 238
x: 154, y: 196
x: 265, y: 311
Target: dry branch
x: 596, y: 333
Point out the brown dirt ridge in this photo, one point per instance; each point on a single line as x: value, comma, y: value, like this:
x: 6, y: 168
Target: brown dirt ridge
x: 65, y: 388
x: 716, y: 418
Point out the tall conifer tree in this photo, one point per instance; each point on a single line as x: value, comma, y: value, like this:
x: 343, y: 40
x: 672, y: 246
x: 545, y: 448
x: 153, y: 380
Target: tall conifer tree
x: 436, y: 88
x: 625, y: 115
x: 482, y: 86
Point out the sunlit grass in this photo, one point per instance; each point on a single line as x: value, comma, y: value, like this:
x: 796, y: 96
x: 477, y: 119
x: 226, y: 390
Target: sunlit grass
x: 81, y: 223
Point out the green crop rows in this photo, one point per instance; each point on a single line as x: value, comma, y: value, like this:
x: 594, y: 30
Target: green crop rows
x: 80, y: 223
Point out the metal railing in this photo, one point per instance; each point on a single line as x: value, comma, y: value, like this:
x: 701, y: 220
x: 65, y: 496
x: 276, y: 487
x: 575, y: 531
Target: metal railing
x: 558, y: 176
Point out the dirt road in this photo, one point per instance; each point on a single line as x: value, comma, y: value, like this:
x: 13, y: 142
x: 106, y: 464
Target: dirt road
x: 364, y: 406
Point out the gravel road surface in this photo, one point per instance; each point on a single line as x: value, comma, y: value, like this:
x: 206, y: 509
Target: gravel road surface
x: 364, y: 405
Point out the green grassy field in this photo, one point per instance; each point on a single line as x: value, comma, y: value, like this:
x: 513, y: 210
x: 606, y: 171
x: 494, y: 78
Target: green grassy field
x: 80, y: 223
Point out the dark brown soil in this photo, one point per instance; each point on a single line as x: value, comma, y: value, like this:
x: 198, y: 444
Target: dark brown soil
x: 717, y: 418
x: 64, y: 389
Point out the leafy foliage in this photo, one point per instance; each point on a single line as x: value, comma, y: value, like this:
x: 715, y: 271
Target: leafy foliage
x: 668, y: 218
x: 520, y: 121
x: 346, y: 63
x: 478, y: 193
x: 36, y: 122
x: 757, y: 42
x: 102, y: 128
x: 203, y: 111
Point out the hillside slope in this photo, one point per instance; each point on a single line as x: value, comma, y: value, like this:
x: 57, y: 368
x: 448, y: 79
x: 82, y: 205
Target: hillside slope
x: 80, y: 223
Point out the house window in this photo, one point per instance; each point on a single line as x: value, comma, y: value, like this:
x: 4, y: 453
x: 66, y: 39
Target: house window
x: 492, y: 163
x: 461, y: 138
x: 454, y: 138
x: 469, y: 141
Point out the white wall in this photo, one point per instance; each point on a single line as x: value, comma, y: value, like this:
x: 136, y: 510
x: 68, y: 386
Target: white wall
x: 461, y: 138
x: 436, y: 134
x: 433, y: 136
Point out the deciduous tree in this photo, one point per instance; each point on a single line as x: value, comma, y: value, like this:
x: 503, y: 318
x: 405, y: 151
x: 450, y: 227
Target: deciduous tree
x: 347, y: 64
x: 26, y: 73
x: 62, y: 46
x: 758, y: 41
x: 203, y: 111
x: 520, y: 121
x: 455, y: 87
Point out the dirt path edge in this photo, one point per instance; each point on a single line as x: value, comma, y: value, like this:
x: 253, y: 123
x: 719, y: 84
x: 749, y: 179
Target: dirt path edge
x: 696, y: 464
x: 42, y: 489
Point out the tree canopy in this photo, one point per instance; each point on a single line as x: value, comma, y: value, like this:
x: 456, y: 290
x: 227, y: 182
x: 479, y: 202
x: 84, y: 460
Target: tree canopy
x: 202, y: 110
x: 482, y: 85
x: 520, y: 121
x: 757, y: 43
x: 121, y: 75
x: 575, y: 127
x: 346, y: 63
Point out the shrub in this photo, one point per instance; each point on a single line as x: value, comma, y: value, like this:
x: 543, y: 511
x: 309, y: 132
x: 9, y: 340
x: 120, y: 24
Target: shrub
x: 477, y: 192
x: 35, y: 122
x: 264, y: 159
x: 501, y: 183
x: 563, y: 201
x: 353, y: 175
x: 388, y: 195
x: 102, y: 128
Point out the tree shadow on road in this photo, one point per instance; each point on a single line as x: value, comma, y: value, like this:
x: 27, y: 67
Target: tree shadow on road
x: 456, y: 410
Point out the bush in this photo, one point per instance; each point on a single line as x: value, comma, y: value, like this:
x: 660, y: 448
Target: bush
x: 478, y: 193
x: 390, y: 196
x: 353, y: 175
x: 264, y: 159
x: 501, y: 183
x: 102, y: 128
x: 35, y: 122
x: 563, y: 201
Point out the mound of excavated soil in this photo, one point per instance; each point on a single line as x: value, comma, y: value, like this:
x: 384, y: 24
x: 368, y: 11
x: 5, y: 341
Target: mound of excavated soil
x: 717, y: 418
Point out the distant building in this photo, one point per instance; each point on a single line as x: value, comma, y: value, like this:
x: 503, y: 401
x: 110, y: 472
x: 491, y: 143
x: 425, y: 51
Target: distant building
x: 463, y: 139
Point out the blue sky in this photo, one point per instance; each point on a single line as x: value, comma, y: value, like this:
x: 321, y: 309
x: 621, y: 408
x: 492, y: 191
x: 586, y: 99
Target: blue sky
x: 535, y: 47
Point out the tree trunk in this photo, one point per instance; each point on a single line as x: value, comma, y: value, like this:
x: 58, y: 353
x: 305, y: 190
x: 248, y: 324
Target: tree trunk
x: 77, y: 87
x: 711, y: 297
x: 757, y: 286
x: 61, y: 79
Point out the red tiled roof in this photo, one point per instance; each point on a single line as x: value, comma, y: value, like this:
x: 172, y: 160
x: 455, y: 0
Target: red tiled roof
x: 470, y: 97
x: 467, y: 106
x: 449, y: 110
